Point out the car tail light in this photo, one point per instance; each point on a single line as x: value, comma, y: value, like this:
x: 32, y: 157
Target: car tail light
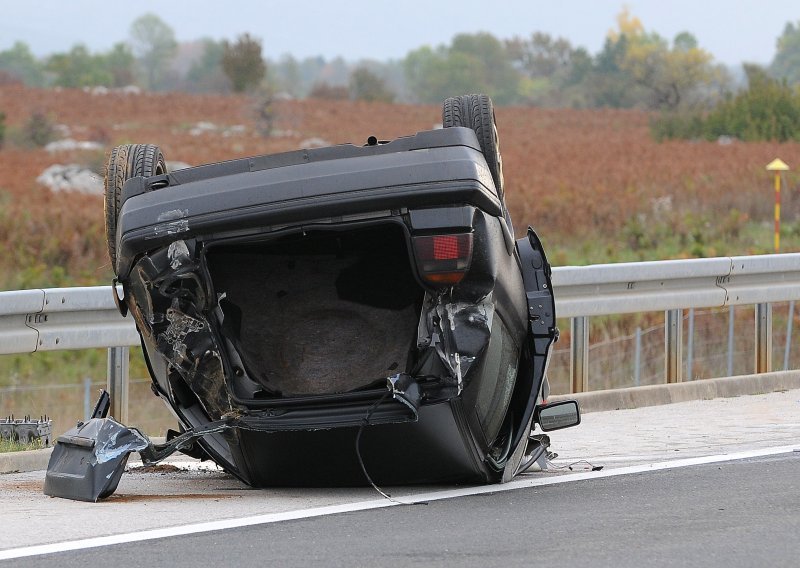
x: 443, y: 260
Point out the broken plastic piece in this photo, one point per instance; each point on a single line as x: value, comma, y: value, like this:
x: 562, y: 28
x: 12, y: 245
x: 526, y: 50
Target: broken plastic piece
x: 102, y: 406
x: 87, y: 462
x: 535, y: 453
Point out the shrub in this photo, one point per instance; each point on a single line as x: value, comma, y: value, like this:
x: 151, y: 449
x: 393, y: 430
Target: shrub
x: 675, y: 125
x: 367, y: 86
x: 38, y: 131
x: 243, y: 64
x: 325, y: 90
x: 768, y: 110
x: 265, y: 111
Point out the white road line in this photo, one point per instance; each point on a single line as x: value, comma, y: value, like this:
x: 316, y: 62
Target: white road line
x: 522, y: 483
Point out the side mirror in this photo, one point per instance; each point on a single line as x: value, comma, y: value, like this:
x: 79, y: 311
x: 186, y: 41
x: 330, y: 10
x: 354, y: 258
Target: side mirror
x: 557, y: 415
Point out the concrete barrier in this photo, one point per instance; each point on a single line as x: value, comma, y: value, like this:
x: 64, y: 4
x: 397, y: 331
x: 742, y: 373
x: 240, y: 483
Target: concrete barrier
x: 654, y: 395
x: 33, y: 460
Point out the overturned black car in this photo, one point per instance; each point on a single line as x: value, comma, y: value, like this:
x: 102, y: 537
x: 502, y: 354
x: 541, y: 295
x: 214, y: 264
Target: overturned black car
x: 335, y: 315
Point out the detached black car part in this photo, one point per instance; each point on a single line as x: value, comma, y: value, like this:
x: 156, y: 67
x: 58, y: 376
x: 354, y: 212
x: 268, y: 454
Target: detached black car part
x: 288, y: 303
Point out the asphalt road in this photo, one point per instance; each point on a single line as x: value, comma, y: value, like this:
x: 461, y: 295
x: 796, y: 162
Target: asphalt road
x: 733, y: 513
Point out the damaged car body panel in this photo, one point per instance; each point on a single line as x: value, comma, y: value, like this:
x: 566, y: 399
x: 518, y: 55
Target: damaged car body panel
x: 313, y: 315
x: 87, y: 461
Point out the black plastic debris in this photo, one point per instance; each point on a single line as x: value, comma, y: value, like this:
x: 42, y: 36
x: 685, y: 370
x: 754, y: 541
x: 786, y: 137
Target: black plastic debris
x: 87, y: 461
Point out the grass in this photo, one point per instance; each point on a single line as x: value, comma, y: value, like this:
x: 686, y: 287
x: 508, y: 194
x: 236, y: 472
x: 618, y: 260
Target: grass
x: 53, y: 383
x: 690, y: 237
x: 11, y: 446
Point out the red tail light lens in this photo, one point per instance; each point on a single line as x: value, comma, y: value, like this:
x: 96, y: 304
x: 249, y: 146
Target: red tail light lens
x: 447, y: 247
x: 443, y: 259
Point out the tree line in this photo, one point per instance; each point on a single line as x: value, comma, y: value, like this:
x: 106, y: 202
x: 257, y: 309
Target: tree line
x: 636, y: 68
x: 151, y: 59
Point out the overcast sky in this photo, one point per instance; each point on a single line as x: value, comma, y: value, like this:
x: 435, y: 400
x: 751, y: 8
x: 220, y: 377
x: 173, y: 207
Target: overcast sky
x: 732, y: 30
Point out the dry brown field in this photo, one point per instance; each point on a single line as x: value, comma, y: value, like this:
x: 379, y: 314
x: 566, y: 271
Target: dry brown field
x: 578, y: 176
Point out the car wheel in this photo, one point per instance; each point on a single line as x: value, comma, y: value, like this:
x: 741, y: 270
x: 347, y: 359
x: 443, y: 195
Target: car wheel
x: 125, y: 162
x: 477, y: 112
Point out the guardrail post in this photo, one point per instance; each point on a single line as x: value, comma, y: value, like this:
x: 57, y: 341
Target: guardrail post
x: 637, y: 361
x: 690, y: 347
x: 579, y: 354
x: 788, y: 349
x: 731, y: 321
x: 87, y: 398
x: 763, y: 338
x: 118, y: 382
x: 673, y: 345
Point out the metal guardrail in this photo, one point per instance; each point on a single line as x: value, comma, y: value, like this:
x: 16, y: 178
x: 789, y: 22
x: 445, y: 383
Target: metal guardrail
x: 672, y: 286
x: 71, y: 318
x: 606, y: 289
x: 79, y: 318
x: 62, y: 318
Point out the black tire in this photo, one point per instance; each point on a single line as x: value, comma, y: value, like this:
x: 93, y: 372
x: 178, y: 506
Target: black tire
x: 125, y: 162
x: 477, y: 112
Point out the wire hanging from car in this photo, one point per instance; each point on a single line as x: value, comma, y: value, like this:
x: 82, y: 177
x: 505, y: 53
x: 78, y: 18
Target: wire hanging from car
x: 365, y: 422
x: 553, y: 467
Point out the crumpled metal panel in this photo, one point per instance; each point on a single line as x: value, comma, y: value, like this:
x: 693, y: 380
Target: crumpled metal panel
x: 167, y: 302
x: 457, y: 331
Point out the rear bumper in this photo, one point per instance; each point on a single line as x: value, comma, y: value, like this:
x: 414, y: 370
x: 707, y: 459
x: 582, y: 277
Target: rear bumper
x: 437, y: 448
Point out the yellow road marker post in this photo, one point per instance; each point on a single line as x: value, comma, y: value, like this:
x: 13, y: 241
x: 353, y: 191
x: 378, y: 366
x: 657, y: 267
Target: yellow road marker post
x: 777, y: 166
